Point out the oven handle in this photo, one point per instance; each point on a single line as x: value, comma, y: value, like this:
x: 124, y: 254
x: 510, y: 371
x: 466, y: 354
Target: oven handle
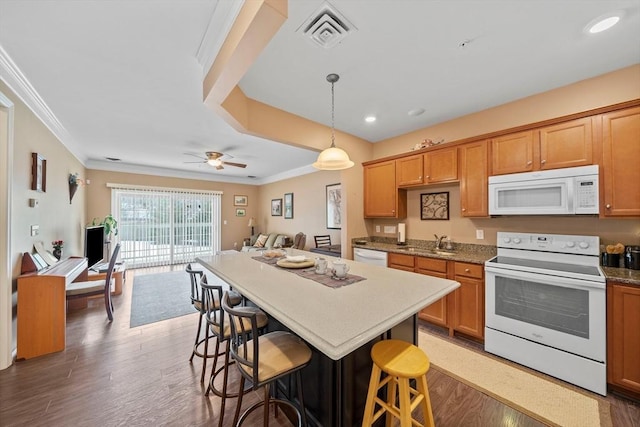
x: 566, y: 282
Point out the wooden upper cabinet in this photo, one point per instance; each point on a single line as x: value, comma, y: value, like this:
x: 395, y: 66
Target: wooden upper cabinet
x: 409, y: 170
x: 558, y: 146
x: 382, y: 198
x: 512, y: 153
x: 474, y: 179
x: 441, y: 166
x: 565, y: 145
x: 620, y: 166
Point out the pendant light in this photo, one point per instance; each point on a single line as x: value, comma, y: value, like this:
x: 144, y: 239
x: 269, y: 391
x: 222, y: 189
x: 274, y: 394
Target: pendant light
x: 333, y: 158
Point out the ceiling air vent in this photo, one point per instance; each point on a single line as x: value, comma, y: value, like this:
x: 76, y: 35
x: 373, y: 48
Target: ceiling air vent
x: 326, y: 27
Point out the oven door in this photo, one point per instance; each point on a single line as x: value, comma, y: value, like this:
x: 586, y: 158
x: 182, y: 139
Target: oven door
x: 564, y: 313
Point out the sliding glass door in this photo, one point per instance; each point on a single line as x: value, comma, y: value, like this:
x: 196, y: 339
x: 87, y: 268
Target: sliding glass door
x: 165, y: 226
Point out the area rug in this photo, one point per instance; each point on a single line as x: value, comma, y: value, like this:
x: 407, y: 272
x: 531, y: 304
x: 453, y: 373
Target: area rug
x: 160, y: 296
x: 548, y: 402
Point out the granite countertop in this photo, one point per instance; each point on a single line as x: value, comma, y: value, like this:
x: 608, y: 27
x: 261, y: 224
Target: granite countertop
x: 475, y: 254
x: 622, y: 275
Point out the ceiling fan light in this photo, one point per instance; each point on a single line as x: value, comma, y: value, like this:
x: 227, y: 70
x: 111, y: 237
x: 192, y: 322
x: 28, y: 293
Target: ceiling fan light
x: 333, y: 159
x: 215, y: 162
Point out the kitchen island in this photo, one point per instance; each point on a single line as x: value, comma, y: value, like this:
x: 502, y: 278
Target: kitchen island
x: 340, y: 324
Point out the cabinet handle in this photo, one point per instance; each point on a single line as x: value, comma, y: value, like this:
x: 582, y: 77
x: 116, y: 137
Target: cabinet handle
x: 542, y: 162
x: 427, y: 176
x: 464, y: 209
x: 466, y: 270
x: 608, y: 206
x: 529, y: 163
x: 420, y: 177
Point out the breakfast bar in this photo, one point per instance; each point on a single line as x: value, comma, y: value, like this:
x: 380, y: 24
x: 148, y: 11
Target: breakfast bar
x: 341, y: 324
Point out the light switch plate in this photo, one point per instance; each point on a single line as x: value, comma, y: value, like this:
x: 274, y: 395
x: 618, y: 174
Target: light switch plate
x: 480, y: 234
x: 377, y: 228
x: 35, y: 229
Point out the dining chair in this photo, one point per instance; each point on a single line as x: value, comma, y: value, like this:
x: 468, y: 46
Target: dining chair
x: 299, y: 241
x: 196, y: 301
x: 324, y: 240
x: 89, y: 288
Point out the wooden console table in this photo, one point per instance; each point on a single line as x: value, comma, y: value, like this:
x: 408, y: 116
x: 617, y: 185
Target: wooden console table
x: 42, y: 306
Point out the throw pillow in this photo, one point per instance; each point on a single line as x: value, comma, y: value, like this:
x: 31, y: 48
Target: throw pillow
x: 262, y: 239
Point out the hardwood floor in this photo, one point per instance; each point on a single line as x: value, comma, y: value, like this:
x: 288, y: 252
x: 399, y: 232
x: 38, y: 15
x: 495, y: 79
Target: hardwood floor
x: 113, y: 375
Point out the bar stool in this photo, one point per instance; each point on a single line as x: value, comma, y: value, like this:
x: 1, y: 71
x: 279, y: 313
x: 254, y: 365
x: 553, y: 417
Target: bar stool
x: 262, y: 359
x: 401, y: 361
x: 219, y: 324
x: 196, y: 301
x: 196, y: 276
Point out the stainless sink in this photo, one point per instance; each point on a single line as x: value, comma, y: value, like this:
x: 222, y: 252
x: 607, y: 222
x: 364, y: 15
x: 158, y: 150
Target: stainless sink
x: 440, y: 252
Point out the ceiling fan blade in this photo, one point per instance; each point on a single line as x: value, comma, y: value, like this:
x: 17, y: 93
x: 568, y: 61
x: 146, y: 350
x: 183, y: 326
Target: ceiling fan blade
x: 201, y: 161
x: 238, y: 165
x: 195, y: 155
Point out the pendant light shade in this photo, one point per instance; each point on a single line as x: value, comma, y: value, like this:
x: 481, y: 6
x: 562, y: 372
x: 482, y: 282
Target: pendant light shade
x: 333, y: 158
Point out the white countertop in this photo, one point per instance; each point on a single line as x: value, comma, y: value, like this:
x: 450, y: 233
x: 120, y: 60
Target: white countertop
x: 336, y: 321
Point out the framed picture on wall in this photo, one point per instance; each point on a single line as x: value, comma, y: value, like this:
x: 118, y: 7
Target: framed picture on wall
x: 241, y: 212
x: 288, y: 205
x: 276, y: 207
x: 38, y: 173
x: 240, y: 200
x: 334, y: 206
x: 434, y: 205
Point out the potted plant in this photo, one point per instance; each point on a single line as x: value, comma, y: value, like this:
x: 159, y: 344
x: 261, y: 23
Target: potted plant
x: 110, y: 225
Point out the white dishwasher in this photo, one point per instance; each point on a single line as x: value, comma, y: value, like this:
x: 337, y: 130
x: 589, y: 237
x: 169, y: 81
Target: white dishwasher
x: 369, y: 256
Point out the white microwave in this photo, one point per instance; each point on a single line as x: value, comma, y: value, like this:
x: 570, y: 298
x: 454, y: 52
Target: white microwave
x: 569, y: 191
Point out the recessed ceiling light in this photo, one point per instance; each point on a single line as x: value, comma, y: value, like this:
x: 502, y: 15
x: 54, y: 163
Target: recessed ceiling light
x: 416, y: 112
x: 370, y: 119
x: 603, y: 22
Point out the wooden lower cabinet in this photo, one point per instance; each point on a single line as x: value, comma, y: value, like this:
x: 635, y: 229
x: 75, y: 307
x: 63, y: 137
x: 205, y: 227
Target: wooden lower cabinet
x: 468, y: 313
x: 463, y: 309
x: 437, y: 312
x: 623, y: 337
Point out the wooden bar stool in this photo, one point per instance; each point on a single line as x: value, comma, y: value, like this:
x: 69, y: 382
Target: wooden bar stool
x: 401, y: 361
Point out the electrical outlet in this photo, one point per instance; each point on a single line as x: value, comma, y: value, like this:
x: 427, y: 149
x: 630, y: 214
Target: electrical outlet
x: 480, y: 234
x: 390, y: 229
x: 377, y: 228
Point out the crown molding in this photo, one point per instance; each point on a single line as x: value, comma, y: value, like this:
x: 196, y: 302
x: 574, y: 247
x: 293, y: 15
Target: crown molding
x: 220, y: 23
x: 18, y: 83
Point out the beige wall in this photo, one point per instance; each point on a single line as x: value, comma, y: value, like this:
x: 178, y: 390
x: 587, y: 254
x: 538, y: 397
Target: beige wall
x: 612, y: 88
x: 235, y: 229
x: 309, y: 206
x: 57, y: 218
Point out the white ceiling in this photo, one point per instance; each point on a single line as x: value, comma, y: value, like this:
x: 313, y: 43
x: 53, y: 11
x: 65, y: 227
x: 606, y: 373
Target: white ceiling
x: 123, y: 78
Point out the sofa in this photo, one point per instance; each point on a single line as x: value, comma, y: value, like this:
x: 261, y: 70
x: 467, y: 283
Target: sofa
x: 264, y: 241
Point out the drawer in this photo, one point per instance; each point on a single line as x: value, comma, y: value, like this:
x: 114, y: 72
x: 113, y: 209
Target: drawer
x: 432, y: 264
x: 469, y: 270
x: 401, y: 260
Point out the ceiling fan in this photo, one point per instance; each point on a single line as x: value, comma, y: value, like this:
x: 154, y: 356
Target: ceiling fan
x: 213, y: 158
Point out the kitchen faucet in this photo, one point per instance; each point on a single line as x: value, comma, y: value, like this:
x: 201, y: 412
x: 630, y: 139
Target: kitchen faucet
x: 439, y: 240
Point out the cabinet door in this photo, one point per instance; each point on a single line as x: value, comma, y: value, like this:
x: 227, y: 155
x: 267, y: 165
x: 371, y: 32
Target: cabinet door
x: 409, y: 170
x: 401, y: 262
x: 623, y: 336
x: 381, y: 196
x: 441, y: 166
x: 468, y: 316
x: 566, y: 144
x: 435, y: 313
x: 512, y: 153
x: 474, y: 179
x: 620, y: 159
